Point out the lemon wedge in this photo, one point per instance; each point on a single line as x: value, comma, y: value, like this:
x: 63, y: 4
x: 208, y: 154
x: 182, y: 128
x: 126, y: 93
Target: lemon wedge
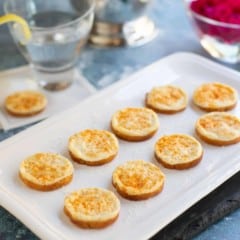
x: 20, y: 24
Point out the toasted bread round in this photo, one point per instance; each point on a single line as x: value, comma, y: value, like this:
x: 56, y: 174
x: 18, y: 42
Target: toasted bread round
x: 46, y: 171
x: 218, y: 128
x: 166, y: 99
x: 215, y: 97
x: 93, y: 147
x: 178, y: 151
x: 135, y: 124
x: 25, y: 103
x: 92, y: 207
x: 138, y: 180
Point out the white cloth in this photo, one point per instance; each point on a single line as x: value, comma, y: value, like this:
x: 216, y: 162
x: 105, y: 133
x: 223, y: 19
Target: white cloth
x: 22, y: 78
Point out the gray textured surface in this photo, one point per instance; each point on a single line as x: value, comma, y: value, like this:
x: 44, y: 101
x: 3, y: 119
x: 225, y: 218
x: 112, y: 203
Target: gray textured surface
x: 105, y: 66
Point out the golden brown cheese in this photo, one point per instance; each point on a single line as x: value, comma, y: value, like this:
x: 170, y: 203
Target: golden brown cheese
x: 135, y: 124
x: 25, y: 103
x: 167, y: 99
x: 218, y: 128
x: 46, y: 171
x: 178, y: 151
x: 215, y: 97
x: 93, y: 147
x: 138, y: 179
x: 92, y: 207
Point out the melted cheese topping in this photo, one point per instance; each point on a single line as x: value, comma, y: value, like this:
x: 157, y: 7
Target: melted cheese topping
x: 178, y: 148
x: 215, y: 95
x: 25, y: 102
x: 219, y: 126
x: 167, y: 98
x: 45, y: 168
x: 93, y: 145
x: 138, y: 177
x: 92, y: 204
x: 135, y: 121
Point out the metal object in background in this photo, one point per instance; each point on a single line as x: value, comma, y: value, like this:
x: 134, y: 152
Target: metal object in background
x: 122, y: 22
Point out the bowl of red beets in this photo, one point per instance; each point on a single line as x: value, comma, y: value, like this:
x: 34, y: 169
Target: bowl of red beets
x: 217, y: 23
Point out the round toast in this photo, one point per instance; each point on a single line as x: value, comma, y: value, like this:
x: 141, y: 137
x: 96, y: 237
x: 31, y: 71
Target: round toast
x: 215, y: 96
x: 138, y: 180
x: 178, y: 151
x: 25, y: 103
x: 93, y: 147
x: 166, y: 99
x: 46, y: 171
x: 92, y: 207
x: 135, y: 124
x: 218, y: 128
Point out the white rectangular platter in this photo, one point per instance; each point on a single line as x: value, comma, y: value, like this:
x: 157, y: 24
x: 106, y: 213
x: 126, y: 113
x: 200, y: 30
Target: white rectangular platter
x: 43, y: 212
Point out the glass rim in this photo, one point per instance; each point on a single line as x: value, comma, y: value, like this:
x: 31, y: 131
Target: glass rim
x: 209, y: 20
x: 88, y: 11
x: 213, y: 21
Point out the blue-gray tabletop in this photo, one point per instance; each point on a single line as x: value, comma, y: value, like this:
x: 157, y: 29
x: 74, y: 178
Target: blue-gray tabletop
x: 103, y: 67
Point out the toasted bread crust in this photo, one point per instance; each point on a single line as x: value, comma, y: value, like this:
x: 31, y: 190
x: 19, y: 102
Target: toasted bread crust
x: 217, y: 142
x: 138, y: 180
x: 166, y: 99
x: 215, y: 96
x: 92, y: 163
x: 50, y: 187
x: 143, y: 196
x: 92, y: 207
x: 92, y: 224
x: 164, y: 111
x: 178, y: 151
x: 93, y: 147
x: 46, y: 171
x: 219, y: 109
x: 134, y: 124
x: 25, y: 114
x: 179, y: 166
x: 132, y: 138
x: 218, y: 128
x: 25, y: 103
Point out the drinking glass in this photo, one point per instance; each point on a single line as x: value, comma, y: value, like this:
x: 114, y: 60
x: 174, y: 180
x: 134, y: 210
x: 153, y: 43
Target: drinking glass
x: 59, y: 30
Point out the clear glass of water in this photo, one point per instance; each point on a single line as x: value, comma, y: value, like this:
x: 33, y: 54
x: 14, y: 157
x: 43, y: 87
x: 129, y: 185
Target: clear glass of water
x: 60, y: 29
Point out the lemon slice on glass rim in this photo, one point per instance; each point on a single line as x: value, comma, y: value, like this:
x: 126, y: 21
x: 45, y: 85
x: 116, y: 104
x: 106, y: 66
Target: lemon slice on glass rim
x: 21, y: 27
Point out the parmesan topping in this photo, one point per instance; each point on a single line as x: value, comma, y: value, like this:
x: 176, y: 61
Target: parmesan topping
x: 45, y: 168
x: 92, y: 207
x: 178, y: 148
x: 135, y: 122
x: 25, y: 102
x: 215, y: 95
x: 138, y: 177
x: 167, y: 98
x: 92, y: 201
x: 92, y: 144
x: 219, y: 126
x: 135, y: 119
